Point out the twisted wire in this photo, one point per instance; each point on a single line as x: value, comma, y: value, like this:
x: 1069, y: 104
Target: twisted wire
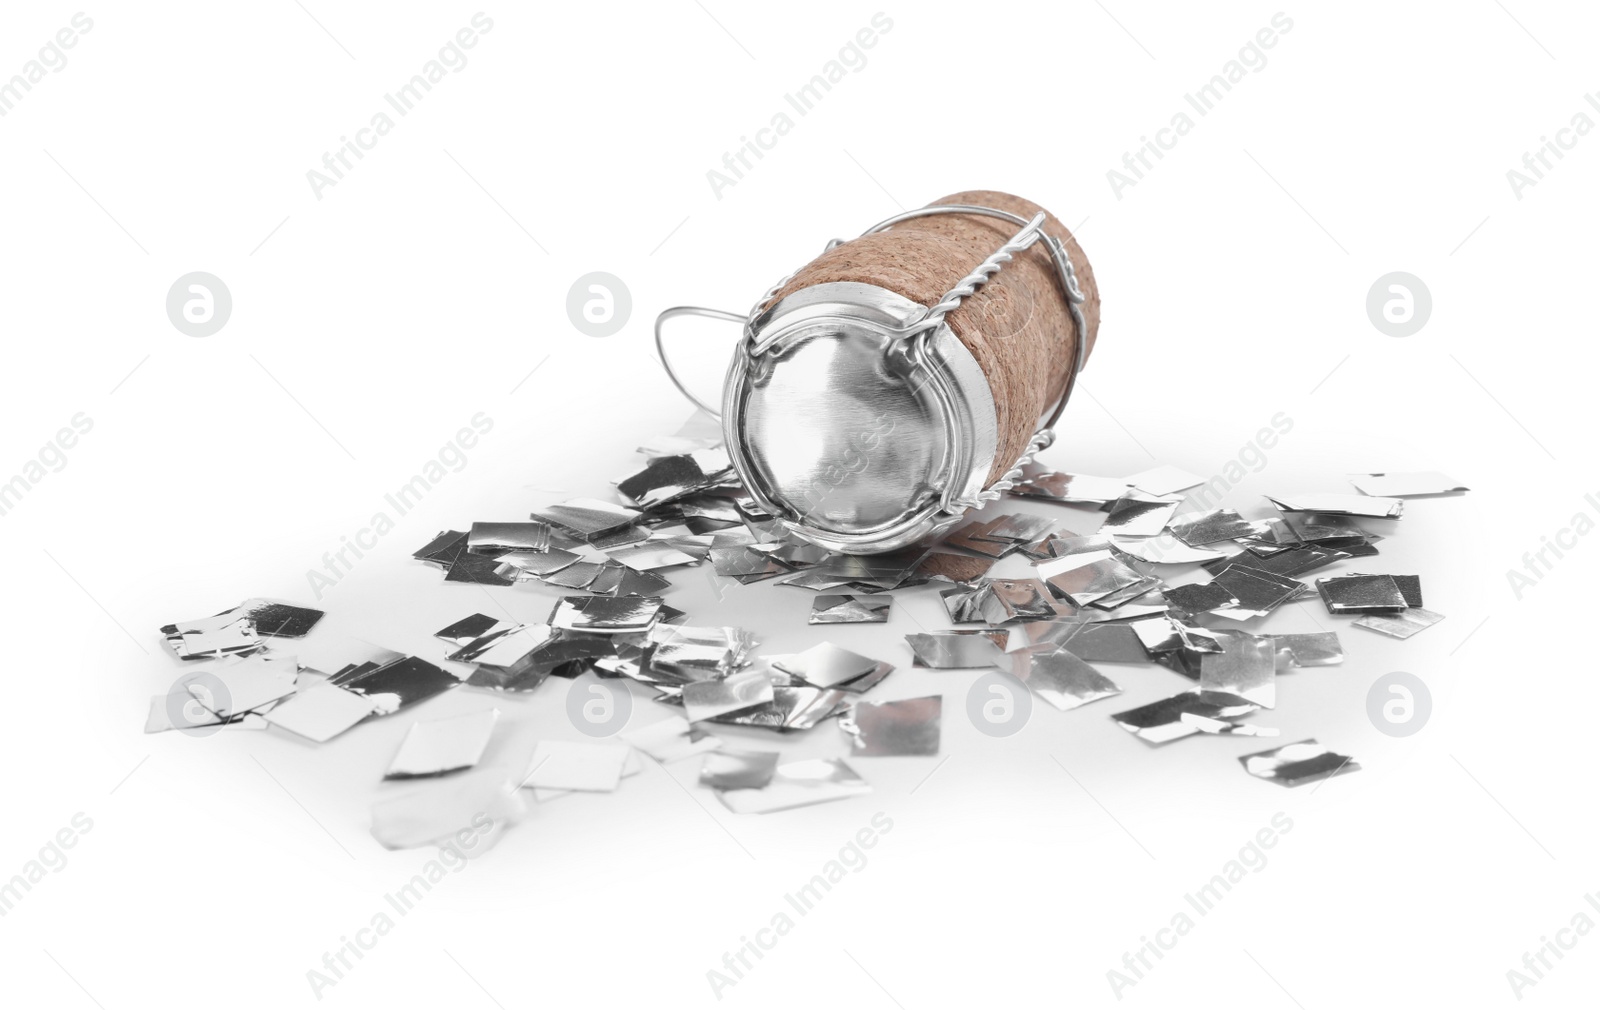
x: 969, y: 285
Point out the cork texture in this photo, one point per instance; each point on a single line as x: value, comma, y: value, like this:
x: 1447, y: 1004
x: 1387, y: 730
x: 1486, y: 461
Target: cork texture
x: 1017, y: 326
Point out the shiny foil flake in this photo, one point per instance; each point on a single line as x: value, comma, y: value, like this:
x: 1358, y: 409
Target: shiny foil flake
x: 179, y: 710
x: 523, y: 566
x: 667, y: 478
x: 826, y: 665
x: 1067, y: 546
x: 497, y: 538
x: 476, y: 647
x: 1162, y: 721
x: 1200, y: 598
x: 1083, y: 578
x: 798, y: 784
x: 792, y: 709
x: 954, y: 650
x: 628, y: 536
x: 799, y: 554
x: 1405, y: 485
x: 1403, y: 624
x: 587, y: 518
x: 648, y: 557
x: 1016, y: 600
x: 1199, y: 529
x: 341, y: 659
x: 1196, y: 639
x: 707, y: 699
x: 1035, y: 636
x: 855, y: 685
x: 586, y: 766
x: 893, y: 728
x: 1166, y: 549
x: 436, y: 811
x: 608, y: 580
x: 279, y: 620
x: 846, y: 609
x: 635, y: 583
x: 739, y: 769
x: 813, y: 580
x: 1410, y: 588
x: 1137, y: 514
x: 606, y: 615
x: 671, y: 739
x: 1226, y: 727
x: 699, y: 653
x: 631, y: 766
x: 964, y: 603
x: 480, y: 569
x: 1164, y: 480
x: 1259, y: 593
x: 868, y: 680
x: 696, y: 546
x: 1296, y: 764
x: 1157, y: 633
x: 469, y: 628
x: 1361, y: 594
x: 1061, y: 678
x: 1106, y: 643
x: 440, y: 746
x: 1341, y: 504
x: 678, y: 445
x: 1042, y: 549
x: 567, y: 654
x: 442, y: 549
x: 1273, y: 531
x: 243, y: 685
x: 227, y: 634
x: 511, y: 650
x: 971, y: 537
x: 321, y: 712
x: 1018, y: 528
x: 1246, y: 668
x: 579, y: 575
x: 1038, y: 482
x: 711, y: 507
x: 402, y: 684
x: 1285, y: 561
x: 1319, y: 648
x: 743, y: 562
x: 873, y: 572
x: 1144, y: 591
x: 1323, y: 526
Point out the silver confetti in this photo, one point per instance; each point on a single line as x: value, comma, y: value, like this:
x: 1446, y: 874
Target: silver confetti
x: 1405, y: 485
x: 954, y: 650
x: 798, y: 784
x: 1296, y: 764
x: 1403, y: 624
x: 893, y: 728
x: 845, y: 609
x: 739, y: 769
x: 1341, y: 504
x: 439, y: 746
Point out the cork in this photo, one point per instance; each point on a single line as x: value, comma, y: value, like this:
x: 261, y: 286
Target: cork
x: 1017, y: 326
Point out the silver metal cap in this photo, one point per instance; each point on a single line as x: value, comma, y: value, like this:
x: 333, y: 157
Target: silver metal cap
x: 854, y: 437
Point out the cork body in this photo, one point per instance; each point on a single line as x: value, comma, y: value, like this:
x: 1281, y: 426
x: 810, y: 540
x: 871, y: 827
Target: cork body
x: 1017, y: 326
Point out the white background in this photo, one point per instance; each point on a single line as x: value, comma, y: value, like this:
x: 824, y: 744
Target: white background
x: 371, y: 324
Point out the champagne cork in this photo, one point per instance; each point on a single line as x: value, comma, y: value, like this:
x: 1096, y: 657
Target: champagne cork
x: 1017, y: 326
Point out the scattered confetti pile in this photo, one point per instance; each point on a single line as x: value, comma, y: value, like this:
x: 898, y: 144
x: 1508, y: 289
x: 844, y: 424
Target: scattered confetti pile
x: 1094, y: 597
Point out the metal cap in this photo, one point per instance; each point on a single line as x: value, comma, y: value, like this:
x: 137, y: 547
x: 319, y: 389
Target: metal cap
x: 854, y: 436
